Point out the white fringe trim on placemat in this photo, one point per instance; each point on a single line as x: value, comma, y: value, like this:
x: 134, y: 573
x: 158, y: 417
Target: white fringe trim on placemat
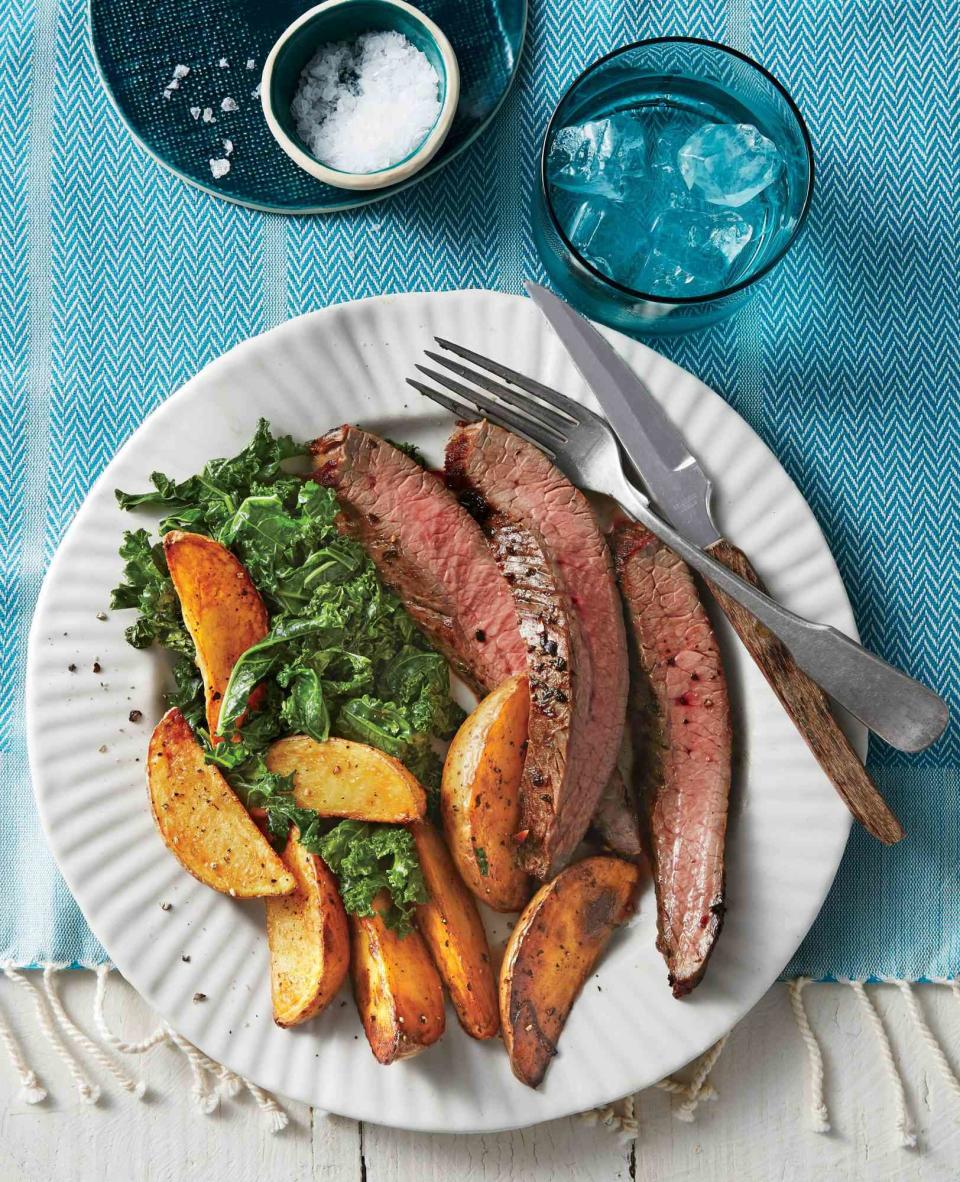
x: 213, y: 1082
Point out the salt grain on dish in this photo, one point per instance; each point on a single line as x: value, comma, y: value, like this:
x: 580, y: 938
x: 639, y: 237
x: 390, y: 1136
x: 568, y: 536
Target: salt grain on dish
x: 219, y: 168
x: 228, y: 147
x: 366, y: 105
x: 195, y: 112
x: 223, y: 63
x: 174, y: 83
x: 208, y: 116
x: 228, y: 104
x: 255, y: 93
x: 251, y: 64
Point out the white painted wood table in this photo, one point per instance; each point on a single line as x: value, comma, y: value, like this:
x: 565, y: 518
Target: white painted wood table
x: 757, y: 1130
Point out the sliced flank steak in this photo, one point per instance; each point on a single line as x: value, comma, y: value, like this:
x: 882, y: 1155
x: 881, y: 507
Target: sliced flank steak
x: 427, y: 549
x: 680, y: 720
x: 509, y: 482
x: 559, y: 697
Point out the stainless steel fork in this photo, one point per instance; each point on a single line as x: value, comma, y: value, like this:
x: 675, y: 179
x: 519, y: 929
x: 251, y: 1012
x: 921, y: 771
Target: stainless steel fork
x: 893, y: 705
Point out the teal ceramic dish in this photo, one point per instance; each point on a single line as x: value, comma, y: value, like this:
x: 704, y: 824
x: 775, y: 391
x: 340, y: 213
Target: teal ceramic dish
x: 345, y: 20
x: 137, y: 48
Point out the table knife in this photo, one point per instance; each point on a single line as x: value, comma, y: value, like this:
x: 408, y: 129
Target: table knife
x: 681, y: 491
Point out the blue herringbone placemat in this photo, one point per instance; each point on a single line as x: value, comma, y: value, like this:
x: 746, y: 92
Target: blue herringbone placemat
x: 117, y: 283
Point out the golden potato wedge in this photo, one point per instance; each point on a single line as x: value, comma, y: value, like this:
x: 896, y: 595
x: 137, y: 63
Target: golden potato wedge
x: 480, y: 796
x: 340, y: 778
x: 552, y: 951
x: 454, y: 933
x: 397, y: 989
x: 222, y: 610
x: 308, y: 937
x: 203, y: 823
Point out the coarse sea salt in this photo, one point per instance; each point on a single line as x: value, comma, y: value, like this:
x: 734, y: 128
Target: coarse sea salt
x: 365, y: 105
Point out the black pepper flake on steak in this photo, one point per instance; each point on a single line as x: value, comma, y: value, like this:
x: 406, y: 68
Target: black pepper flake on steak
x: 474, y: 504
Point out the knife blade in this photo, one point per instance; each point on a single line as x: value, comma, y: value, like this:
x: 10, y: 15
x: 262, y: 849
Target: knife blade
x: 671, y: 475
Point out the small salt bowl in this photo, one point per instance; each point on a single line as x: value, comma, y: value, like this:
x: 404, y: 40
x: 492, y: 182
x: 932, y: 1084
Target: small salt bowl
x: 344, y: 21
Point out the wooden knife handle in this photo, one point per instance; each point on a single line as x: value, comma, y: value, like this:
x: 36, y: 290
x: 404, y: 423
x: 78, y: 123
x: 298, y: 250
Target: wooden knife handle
x: 807, y: 705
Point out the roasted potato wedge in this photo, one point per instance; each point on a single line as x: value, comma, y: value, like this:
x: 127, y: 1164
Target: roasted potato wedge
x: 480, y: 796
x: 340, y: 778
x: 453, y: 932
x: 397, y: 989
x: 552, y: 951
x: 222, y: 610
x: 309, y: 939
x: 203, y: 823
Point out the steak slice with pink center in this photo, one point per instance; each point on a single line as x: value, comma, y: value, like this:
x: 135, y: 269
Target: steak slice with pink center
x: 507, y: 476
x: 680, y: 721
x: 559, y: 696
x: 427, y: 549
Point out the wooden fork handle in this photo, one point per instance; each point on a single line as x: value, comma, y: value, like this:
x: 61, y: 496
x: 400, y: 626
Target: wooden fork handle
x: 807, y: 705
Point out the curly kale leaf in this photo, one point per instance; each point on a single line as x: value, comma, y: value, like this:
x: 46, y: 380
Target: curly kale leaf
x: 208, y: 501
x: 147, y: 587
x: 269, y: 657
x: 365, y: 858
x: 368, y: 859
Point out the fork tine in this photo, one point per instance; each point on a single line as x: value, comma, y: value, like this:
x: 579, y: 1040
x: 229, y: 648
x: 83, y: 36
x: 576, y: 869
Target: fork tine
x: 541, y: 436
x: 462, y: 411
x: 490, y: 406
x: 455, y: 408
x: 562, y: 403
x: 535, y: 410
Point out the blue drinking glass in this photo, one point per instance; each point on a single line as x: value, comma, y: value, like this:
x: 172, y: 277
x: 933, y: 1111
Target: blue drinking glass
x: 669, y: 88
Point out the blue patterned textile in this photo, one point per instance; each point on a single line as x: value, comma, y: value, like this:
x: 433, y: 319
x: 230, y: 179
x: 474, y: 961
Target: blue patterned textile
x: 117, y: 283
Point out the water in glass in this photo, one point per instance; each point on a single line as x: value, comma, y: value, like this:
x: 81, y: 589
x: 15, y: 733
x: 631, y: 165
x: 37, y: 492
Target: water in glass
x: 668, y: 196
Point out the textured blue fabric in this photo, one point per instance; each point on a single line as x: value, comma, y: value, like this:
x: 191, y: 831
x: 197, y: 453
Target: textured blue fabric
x: 117, y: 283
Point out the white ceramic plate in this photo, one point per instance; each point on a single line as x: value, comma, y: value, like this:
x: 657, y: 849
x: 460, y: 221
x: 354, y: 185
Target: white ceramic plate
x: 348, y: 363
